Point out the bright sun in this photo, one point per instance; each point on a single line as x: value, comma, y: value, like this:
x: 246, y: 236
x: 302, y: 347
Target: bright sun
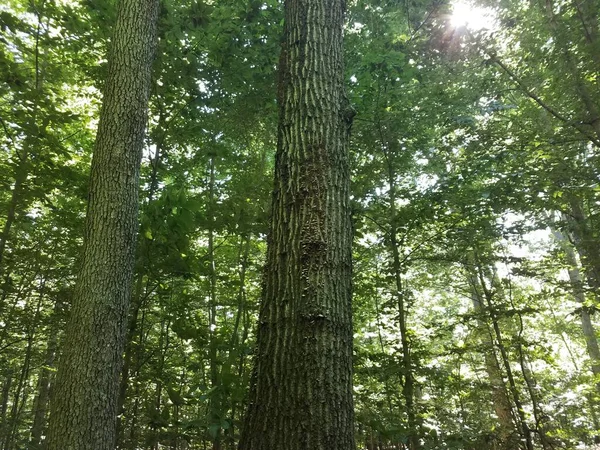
x: 465, y: 14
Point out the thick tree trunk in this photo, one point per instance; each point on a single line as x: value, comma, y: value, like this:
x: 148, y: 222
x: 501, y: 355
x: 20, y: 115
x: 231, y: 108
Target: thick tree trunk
x: 138, y: 297
x: 84, y: 401
x: 301, y: 391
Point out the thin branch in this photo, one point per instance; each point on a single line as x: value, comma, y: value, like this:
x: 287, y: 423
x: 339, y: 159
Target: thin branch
x: 529, y: 93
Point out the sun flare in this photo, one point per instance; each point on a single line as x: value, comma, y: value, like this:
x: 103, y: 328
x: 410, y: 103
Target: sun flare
x: 465, y: 14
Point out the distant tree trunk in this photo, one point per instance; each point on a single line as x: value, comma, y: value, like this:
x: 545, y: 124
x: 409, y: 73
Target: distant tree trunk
x: 486, y: 296
x: 8, y: 374
x: 591, y: 402
x: 41, y: 402
x: 541, y: 424
x: 301, y: 390
x: 408, y: 388
x: 577, y: 286
x: 20, y: 177
x: 376, y: 299
x: 133, y: 427
x: 586, y: 243
x: 215, y: 403
x: 84, y: 400
x: 235, y: 345
x: 22, y: 169
x: 21, y: 394
x: 507, y: 430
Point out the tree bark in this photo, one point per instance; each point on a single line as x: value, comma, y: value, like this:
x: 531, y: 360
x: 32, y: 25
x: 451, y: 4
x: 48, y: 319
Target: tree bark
x: 301, y: 390
x: 84, y: 401
x: 507, y: 430
x: 138, y: 298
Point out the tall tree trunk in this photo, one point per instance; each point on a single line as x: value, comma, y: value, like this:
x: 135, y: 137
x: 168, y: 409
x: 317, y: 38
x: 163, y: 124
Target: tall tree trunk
x: 574, y: 360
x: 132, y: 323
x: 84, y: 401
x: 507, y: 430
x: 22, y: 169
x: 235, y: 344
x: 215, y: 404
x: 408, y: 388
x: 20, y: 396
x: 301, y: 390
x: 133, y: 427
x: 577, y: 286
x: 541, y: 424
x: 8, y: 374
x: 487, y: 296
x: 41, y: 402
x: 586, y: 242
x: 137, y: 300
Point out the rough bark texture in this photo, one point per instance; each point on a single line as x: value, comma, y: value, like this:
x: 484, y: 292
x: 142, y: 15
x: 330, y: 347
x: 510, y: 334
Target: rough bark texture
x: 84, y: 400
x: 301, y: 392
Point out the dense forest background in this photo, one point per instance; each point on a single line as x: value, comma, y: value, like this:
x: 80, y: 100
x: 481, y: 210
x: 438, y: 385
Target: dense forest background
x: 475, y: 201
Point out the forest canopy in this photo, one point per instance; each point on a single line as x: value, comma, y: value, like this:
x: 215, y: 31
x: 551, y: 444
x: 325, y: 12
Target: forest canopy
x: 299, y: 224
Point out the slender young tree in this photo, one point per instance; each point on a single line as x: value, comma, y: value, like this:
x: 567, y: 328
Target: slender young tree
x: 84, y: 403
x: 301, y: 392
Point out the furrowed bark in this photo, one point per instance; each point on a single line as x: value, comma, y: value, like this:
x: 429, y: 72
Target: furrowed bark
x: 84, y: 401
x: 301, y: 391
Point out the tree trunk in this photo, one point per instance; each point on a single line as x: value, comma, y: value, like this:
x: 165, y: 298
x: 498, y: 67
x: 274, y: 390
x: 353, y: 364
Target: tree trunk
x: 507, y: 430
x: 408, y: 388
x: 301, y: 390
x: 6, y: 386
x: 21, y: 394
x: 84, y: 401
x: 20, y: 177
x: 22, y: 169
x: 235, y: 344
x: 41, y: 401
x: 486, y: 296
x: 215, y: 403
x: 577, y: 286
x: 138, y: 299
